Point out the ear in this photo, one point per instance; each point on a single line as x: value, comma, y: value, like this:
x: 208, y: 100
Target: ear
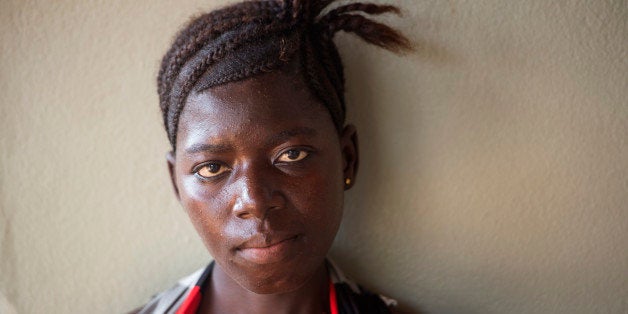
x: 350, y: 156
x: 171, y: 159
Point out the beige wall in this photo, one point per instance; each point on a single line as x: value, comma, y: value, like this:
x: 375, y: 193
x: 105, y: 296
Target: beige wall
x: 494, y: 176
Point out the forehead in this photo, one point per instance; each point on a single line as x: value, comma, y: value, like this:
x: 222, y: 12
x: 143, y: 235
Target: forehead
x: 253, y: 108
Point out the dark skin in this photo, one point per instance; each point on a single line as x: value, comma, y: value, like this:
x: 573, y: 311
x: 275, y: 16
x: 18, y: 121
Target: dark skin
x: 260, y: 169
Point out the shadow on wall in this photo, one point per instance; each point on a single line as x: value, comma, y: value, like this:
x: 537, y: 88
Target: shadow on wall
x: 376, y: 244
x: 5, y: 306
x: 7, y: 263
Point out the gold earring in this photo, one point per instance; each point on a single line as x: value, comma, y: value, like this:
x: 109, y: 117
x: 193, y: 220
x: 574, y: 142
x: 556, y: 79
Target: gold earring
x: 347, y: 181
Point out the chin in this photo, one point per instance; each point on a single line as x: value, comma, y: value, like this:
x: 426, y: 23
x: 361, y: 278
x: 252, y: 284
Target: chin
x: 280, y: 278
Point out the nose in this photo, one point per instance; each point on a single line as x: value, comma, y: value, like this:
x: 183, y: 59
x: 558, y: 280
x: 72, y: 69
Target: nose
x: 255, y: 194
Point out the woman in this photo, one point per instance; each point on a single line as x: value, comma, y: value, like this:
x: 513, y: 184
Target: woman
x: 253, y: 103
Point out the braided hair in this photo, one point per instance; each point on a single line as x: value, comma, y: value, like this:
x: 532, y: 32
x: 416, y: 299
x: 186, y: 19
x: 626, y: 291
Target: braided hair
x: 253, y: 37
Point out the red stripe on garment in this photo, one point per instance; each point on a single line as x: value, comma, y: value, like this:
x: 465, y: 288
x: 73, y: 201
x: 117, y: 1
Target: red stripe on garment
x: 333, y: 303
x: 192, y: 301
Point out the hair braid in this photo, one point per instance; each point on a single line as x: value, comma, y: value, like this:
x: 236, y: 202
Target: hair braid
x: 253, y: 37
x: 368, y: 8
x: 194, y: 37
x: 319, y: 83
x: 233, y: 41
x: 372, y: 32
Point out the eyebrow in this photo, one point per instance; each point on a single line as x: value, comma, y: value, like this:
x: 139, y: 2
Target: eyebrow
x: 272, y: 141
x: 210, y: 148
x: 287, y: 134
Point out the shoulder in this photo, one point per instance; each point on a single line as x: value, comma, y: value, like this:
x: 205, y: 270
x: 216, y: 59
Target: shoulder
x: 353, y: 298
x: 170, y: 300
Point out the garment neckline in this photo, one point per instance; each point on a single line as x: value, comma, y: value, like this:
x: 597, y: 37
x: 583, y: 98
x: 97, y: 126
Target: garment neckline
x: 193, y: 299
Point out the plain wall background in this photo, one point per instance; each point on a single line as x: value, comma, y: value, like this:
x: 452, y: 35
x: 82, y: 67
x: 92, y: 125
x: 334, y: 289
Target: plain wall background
x: 494, y: 172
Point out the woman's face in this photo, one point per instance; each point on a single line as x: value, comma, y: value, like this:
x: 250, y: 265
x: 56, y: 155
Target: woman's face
x: 260, y: 169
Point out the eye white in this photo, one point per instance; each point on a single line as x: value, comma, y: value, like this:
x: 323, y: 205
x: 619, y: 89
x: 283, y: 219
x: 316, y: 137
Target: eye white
x: 292, y: 155
x: 211, y: 170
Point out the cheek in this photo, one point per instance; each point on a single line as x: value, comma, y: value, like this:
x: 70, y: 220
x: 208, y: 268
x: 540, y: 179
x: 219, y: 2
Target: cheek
x: 202, y: 200
x: 207, y: 212
x: 321, y: 202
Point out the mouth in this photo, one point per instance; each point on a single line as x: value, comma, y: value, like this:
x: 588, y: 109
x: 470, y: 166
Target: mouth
x: 267, y: 251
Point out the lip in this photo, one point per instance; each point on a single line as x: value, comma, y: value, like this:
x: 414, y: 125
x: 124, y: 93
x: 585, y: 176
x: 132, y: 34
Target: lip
x: 267, y: 250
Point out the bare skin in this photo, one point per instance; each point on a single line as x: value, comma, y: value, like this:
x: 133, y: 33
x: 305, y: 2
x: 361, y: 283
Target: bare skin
x: 311, y: 298
x: 260, y: 169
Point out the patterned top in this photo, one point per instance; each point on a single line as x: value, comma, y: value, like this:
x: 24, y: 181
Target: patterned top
x: 345, y: 296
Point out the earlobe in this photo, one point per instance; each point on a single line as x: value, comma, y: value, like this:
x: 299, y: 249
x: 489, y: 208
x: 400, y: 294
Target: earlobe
x: 350, y: 155
x: 171, y: 169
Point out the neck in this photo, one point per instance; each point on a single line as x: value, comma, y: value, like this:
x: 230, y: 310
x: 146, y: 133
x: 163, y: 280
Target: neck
x: 224, y: 295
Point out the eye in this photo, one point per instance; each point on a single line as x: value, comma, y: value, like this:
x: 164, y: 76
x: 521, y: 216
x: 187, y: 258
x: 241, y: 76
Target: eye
x: 292, y: 155
x: 210, y: 170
